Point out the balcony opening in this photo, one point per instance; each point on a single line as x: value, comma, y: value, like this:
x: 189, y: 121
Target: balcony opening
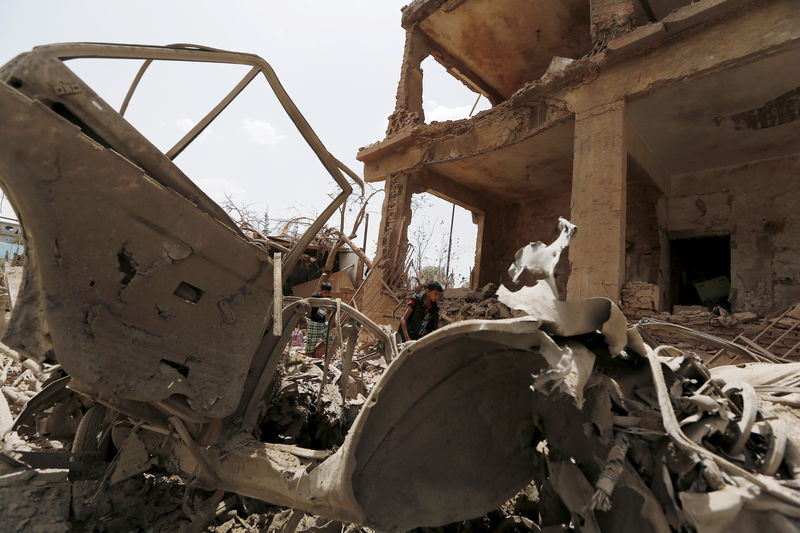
x: 445, y: 97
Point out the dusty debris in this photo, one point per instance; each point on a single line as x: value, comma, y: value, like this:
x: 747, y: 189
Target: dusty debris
x: 168, y: 381
x: 605, y: 123
x: 295, y: 417
x: 466, y: 304
x: 606, y: 419
x: 455, y: 310
x: 35, y: 500
x: 777, y: 334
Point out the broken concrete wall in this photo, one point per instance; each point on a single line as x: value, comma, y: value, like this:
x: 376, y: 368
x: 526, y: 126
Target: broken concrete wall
x: 494, y: 242
x: 642, y: 245
x: 646, y: 240
x: 395, y: 219
x: 525, y: 222
x: 758, y: 206
x: 375, y: 300
x: 408, y: 109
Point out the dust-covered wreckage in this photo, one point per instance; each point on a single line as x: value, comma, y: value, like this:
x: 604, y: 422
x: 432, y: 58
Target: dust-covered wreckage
x: 131, y: 324
x: 665, y: 129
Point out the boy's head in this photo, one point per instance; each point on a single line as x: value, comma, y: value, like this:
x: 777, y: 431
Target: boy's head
x: 325, y: 289
x: 434, y: 290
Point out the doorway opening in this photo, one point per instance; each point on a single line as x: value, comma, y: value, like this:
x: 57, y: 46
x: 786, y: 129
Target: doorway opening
x: 701, y: 271
x: 442, y: 242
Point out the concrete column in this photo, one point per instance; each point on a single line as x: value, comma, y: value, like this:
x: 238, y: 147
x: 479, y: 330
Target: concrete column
x: 395, y: 218
x: 599, y: 169
x: 408, y: 106
x: 494, y: 258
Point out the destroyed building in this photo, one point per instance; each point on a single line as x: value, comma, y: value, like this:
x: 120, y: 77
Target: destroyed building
x: 665, y: 129
x: 148, y: 381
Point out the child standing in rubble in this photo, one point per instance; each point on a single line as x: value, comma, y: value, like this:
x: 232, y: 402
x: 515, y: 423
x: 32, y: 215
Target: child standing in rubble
x: 318, y: 327
x: 422, y: 314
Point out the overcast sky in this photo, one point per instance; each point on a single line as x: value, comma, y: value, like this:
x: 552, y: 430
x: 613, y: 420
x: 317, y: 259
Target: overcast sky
x: 339, y: 61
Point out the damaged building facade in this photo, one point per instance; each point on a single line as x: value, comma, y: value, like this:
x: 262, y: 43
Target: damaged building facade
x: 665, y: 129
x: 149, y: 352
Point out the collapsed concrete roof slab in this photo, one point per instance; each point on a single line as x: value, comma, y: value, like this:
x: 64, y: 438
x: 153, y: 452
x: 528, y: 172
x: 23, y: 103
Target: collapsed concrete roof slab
x: 626, y: 73
x: 486, y: 155
x: 546, y: 159
x: 499, y: 58
x: 122, y: 247
x: 727, y: 117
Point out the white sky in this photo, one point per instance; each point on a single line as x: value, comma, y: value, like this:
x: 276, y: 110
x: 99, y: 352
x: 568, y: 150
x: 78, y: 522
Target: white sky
x: 339, y: 61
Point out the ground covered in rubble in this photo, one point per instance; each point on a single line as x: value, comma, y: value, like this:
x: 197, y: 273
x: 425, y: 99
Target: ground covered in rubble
x: 51, y: 499
x: 778, y: 333
x: 307, y: 409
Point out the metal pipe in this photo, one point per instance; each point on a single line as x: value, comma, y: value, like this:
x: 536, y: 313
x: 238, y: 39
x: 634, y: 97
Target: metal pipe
x: 134, y: 85
x: 449, y: 245
x: 183, y: 52
x: 181, y: 145
x: 277, y: 294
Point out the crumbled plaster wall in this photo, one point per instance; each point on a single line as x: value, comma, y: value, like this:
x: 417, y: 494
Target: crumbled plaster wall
x: 391, y: 253
x: 758, y: 204
x: 395, y: 218
x: 494, y: 260
x: 642, y: 245
x: 535, y: 219
x: 408, y: 110
x: 646, y: 240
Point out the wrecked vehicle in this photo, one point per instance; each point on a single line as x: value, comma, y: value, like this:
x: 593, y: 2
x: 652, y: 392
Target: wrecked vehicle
x: 174, y: 343
x: 125, y: 291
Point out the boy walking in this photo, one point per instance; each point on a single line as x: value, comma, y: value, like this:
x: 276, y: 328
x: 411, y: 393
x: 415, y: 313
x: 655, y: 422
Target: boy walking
x: 422, y: 314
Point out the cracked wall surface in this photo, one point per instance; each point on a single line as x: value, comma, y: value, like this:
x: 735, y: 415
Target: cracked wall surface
x: 758, y: 205
x: 646, y: 96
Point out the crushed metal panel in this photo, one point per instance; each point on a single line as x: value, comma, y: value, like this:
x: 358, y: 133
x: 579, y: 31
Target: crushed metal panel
x: 111, y: 248
x: 139, y: 284
x: 42, y: 75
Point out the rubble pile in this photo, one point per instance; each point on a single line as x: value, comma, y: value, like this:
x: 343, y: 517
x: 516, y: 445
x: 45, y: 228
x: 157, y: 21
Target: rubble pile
x: 639, y: 299
x: 368, y: 372
x: 488, y: 309
x: 516, y: 515
x: 298, y: 414
x: 719, y: 323
x: 56, y: 499
x: 33, y: 500
x: 46, y: 499
x: 698, y: 449
x: 777, y: 333
x: 596, y: 425
x: 482, y: 304
x: 18, y: 385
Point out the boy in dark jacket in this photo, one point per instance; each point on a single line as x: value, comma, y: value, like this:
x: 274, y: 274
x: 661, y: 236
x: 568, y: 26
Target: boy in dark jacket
x: 422, y: 314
